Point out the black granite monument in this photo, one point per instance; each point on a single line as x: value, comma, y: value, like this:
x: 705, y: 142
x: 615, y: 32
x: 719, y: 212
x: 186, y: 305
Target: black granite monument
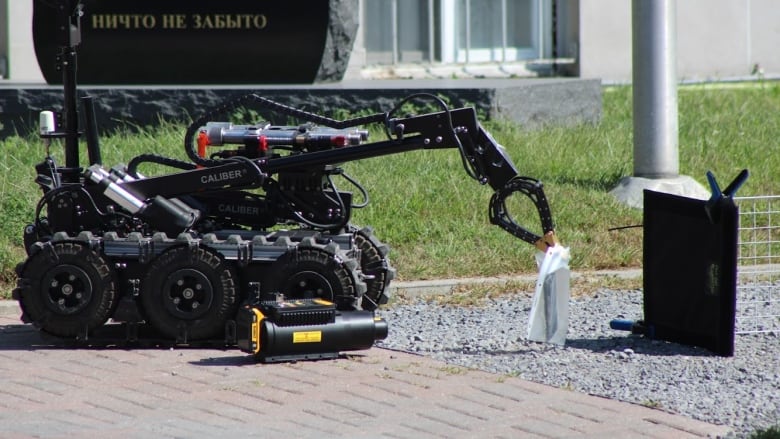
x: 203, y: 41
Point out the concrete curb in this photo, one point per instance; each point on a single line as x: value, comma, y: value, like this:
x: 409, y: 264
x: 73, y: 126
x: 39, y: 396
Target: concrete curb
x: 423, y: 288
x: 9, y: 308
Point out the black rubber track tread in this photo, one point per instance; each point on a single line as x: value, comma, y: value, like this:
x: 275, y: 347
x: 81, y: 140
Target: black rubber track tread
x: 221, y: 279
x: 35, y: 288
x: 373, y: 262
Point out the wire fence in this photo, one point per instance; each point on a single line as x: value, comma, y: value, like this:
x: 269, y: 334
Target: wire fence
x: 758, y: 265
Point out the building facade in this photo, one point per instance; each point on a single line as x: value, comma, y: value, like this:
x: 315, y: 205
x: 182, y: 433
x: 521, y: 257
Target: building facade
x: 716, y: 39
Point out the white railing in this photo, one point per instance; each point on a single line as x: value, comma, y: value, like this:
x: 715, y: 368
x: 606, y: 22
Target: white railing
x: 758, y: 265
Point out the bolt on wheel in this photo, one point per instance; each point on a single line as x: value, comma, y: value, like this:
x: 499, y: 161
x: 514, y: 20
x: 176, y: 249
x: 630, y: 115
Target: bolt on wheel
x: 70, y: 289
x: 187, y: 294
x: 308, y: 285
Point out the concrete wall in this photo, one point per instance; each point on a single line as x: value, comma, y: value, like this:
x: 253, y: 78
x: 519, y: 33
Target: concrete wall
x: 716, y: 39
x: 22, y: 64
x: 3, y: 39
x: 605, y: 39
x: 531, y: 102
x: 764, y: 35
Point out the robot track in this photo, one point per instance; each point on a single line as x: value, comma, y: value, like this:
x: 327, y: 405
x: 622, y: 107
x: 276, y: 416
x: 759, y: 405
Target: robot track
x: 189, y: 288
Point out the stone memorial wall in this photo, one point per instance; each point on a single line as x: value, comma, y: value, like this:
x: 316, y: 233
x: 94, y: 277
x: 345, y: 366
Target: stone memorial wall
x: 203, y: 41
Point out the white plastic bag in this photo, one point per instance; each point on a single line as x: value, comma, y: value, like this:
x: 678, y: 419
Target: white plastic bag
x: 549, y: 318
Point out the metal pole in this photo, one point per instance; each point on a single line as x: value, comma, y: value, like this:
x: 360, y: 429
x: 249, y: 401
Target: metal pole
x: 431, y: 37
x: 540, y: 27
x: 394, y: 25
x: 504, y: 39
x: 468, y: 31
x: 656, y: 152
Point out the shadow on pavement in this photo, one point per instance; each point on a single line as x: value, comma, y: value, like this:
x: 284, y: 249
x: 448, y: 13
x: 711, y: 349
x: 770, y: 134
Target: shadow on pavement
x: 637, y: 344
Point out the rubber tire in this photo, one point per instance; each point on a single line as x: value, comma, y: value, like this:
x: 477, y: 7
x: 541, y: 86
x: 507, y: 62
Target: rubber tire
x: 373, y: 261
x: 206, y: 266
x: 304, y: 262
x: 94, y: 277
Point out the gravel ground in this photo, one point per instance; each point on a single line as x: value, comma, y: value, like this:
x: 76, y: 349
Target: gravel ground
x: 742, y: 391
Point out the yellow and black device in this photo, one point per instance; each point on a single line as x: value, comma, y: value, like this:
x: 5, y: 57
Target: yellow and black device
x: 305, y: 329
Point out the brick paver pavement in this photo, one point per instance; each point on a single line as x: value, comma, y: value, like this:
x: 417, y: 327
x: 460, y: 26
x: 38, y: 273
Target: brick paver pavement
x: 53, y: 391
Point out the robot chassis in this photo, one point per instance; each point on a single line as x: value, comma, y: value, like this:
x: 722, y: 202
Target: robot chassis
x: 200, y: 254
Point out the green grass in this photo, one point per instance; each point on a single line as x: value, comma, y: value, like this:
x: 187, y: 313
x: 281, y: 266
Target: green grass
x: 769, y: 433
x: 435, y: 218
x: 437, y: 221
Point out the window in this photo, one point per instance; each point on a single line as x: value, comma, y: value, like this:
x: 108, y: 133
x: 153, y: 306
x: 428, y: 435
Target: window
x: 455, y: 31
x: 398, y: 31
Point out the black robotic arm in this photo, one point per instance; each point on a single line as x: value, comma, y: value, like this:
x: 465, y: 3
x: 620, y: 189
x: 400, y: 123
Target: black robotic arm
x: 315, y: 147
x: 486, y: 161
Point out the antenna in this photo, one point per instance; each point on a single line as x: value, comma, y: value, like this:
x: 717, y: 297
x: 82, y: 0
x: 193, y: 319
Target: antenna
x: 69, y: 32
